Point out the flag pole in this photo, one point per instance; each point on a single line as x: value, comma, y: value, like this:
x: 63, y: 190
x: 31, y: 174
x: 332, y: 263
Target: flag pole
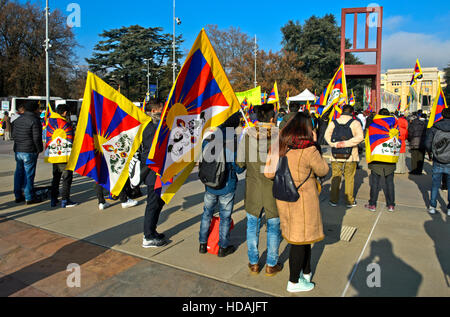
x: 245, y: 118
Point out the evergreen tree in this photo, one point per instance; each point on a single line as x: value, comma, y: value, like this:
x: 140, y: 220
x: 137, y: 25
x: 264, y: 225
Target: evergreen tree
x: 120, y: 59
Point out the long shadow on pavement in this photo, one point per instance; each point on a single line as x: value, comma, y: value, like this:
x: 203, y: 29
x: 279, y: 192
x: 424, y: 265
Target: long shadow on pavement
x: 382, y: 273
x: 438, y: 230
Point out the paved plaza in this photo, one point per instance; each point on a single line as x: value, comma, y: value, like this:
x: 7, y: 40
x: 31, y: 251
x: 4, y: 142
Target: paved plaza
x: 408, y: 249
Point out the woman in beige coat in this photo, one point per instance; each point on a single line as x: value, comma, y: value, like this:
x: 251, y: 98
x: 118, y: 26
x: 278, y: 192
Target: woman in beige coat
x: 301, y: 223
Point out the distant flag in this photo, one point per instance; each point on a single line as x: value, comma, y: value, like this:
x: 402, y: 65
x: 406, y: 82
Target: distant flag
x: 336, y: 91
x: 287, y: 98
x: 439, y: 104
x: 399, y: 106
x: 146, y: 101
x: 263, y: 98
x: 315, y: 96
x: 201, y: 98
x: 370, y: 108
x: 273, y: 97
x: 417, y: 73
x: 59, y: 136
x: 108, y: 133
x: 308, y: 105
x: 351, y: 100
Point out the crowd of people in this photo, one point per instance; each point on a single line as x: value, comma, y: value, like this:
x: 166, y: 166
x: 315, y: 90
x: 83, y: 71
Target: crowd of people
x: 296, y: 138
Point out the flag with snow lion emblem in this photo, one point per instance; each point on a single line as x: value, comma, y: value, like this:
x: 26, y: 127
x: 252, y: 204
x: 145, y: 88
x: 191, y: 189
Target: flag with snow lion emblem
x: 59, y: 138
x: 108, y: 133
x: 382, y: 140
x: 201, y: 98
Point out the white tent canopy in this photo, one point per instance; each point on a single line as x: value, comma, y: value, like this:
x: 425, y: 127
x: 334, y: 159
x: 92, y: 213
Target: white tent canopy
x: 304, y: 96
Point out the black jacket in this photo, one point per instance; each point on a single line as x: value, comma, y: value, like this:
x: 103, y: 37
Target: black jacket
x: 147, y: 139
x: 443, y: 125
x: 416, y: 134
x: 27, y: 133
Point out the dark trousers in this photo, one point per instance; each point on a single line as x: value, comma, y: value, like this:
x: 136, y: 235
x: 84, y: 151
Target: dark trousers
x: 122, y: 196
x: 299, y: 260
x: 152, y: 209
x: 59, y: 172
x: 389, y: 190
x: 417, y: 159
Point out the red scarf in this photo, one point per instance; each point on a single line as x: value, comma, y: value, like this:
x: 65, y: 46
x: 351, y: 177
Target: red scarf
x: 296, y: 143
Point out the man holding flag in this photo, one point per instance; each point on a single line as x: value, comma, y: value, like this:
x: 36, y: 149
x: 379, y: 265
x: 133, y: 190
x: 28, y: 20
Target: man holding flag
x: 58, y: 145
x: 382, y: 152
x: 201, y: 98
x: 437, y: 142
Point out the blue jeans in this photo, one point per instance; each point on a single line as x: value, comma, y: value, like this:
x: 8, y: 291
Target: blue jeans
x: 24, y: 175
x: 273, y: 239
x: 438, y: 171
x: 226, y: 204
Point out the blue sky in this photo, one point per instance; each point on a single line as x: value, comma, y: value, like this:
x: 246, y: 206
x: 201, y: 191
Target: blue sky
x: 412, y: 29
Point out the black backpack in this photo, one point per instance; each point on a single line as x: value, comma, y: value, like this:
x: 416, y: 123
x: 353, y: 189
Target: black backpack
x: 213, y: 174
x: 441, y: 146
x: 284, y: 188
x: 342, y: 132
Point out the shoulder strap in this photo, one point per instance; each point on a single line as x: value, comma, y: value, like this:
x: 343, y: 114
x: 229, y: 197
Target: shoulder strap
x: 348, y: 124
x: 309, y: 175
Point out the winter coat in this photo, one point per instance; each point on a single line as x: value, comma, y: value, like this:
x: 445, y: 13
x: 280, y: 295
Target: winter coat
x: 27, y: 134
x: 403, y: 129
x: 252, y: 155
x: 443, y: 125
x: 417, y: 134
x: 358, y: 137
x: 301, y: 221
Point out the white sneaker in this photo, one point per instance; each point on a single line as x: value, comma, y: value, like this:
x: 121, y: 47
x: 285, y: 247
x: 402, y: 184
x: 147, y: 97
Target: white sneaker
x: 129, y: 203
x: 301, y: 286
x: 103, y: 206
x: 432, y: 210
x: 307, y: 277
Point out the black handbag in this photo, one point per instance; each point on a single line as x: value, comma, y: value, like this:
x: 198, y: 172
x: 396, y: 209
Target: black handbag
x: 283, y: 185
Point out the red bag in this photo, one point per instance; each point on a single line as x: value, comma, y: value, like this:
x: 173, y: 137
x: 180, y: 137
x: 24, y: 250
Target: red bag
x: 213, y: 239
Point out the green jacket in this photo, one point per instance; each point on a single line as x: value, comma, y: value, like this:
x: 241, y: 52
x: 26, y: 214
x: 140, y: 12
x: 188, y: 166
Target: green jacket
x: 286, y: 119
x: 252, y: 154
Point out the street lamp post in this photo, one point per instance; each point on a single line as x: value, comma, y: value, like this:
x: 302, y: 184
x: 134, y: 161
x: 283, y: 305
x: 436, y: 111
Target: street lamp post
x: 256, y: 54
x: 148, y: 73
x: 47, y: 65
x: 177, y: 21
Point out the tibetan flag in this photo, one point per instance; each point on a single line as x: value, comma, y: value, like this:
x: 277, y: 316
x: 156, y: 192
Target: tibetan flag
x: 399, y: 106
x: 335, y: 113
x: 273, y: 97
x: 146, y: 101
x: 308, y: 105
x: 336, y: 91
x: 263, y: 98
x: 439, y: 104
x: 59, y: 136
x: 108, y: 133
x: 48, y: 113
x: 351, y: 100
x: 287, y: 99
x: 382, y: 140
x: 417, y: 73
x: 201, y: 98
x: 244, y: 105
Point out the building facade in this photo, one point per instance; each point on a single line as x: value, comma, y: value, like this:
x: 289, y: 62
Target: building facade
x: 397, y: 81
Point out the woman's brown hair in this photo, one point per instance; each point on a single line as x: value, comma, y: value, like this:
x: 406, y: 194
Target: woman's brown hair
x: 299, y: 127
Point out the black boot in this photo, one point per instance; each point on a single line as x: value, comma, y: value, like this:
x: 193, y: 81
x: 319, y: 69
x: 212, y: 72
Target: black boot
x: 223, y: 252
x: 203, y: 248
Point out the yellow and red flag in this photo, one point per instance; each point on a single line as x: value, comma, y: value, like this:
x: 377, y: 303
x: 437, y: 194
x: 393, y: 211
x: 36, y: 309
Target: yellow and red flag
x: 439, y: 104
x: 109, y: 132
x: 201, y: 98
